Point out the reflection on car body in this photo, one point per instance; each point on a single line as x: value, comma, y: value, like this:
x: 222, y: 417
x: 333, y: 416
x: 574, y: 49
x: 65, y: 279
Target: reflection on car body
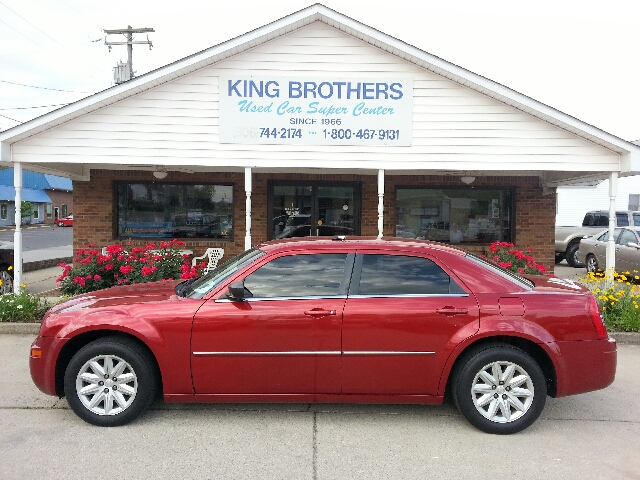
x: 330, y: 320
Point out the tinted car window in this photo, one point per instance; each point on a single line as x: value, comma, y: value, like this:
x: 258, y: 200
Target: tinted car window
x: 636, y: 220
x: 403, y: 275
x: 627, y: 237
x: 298, y: 276
x: 623, y: 219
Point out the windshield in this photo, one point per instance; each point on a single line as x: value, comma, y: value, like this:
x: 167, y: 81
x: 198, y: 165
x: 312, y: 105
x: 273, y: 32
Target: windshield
x: 201, y: 286
x: 508, y: 274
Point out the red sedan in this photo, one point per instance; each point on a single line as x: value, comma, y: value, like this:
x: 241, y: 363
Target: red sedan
x: 331, y: 320
x: 65, y: 222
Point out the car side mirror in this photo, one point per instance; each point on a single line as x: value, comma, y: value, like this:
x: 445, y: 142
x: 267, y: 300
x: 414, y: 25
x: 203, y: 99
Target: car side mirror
x: 236, y: 291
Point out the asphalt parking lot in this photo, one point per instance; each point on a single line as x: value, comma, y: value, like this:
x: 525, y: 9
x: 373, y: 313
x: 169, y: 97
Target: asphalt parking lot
x: 589, y: 436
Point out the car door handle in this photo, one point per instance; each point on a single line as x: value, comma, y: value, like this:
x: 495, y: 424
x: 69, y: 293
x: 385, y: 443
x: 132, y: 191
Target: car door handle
x: 452, y: 311
x: 319, y: 312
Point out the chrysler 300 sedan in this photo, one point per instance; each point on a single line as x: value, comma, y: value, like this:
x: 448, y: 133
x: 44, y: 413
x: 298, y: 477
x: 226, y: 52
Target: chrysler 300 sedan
x: 330, y: 320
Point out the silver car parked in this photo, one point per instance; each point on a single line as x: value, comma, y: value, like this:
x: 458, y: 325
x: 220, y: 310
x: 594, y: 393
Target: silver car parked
x: 593, y: 250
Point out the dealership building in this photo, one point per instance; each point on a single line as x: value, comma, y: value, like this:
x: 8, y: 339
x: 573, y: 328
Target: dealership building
x: 315, y: 125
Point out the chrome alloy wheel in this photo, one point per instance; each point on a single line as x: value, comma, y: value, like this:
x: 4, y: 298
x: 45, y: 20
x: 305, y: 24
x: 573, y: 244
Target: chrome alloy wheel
x: 106, y: 385
x: 502, y: 392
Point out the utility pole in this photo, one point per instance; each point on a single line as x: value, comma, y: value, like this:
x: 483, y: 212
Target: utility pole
x: 128, y: 32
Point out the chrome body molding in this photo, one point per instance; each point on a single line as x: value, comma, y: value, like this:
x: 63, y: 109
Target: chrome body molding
x: 319, y: 352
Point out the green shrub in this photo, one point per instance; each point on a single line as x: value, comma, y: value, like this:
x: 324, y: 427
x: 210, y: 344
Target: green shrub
x: 124, y: 265
x: 22, y: 307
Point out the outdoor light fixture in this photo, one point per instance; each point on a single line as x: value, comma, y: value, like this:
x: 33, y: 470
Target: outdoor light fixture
x: 160, y: 174
x: 467, y: 180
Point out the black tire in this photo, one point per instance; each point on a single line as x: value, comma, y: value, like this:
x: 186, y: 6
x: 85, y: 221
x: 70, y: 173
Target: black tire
x: 61, y: 224
x: 6, y: 287
x: 137, y: 383
x: 493, y: 414
x: 572, y: 258
x: 592, y: 264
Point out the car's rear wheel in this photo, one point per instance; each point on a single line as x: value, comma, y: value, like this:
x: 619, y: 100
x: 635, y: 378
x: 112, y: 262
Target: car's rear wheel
x: 61, y: 224
x: 499, y: 389
x: 592, y: 264
x: 110, y: 381
x: 572, y: 256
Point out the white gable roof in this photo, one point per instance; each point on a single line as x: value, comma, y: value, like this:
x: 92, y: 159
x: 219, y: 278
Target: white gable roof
x: 629, y: 153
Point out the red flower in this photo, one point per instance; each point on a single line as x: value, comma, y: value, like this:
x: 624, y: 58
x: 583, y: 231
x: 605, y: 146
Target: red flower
x: 126, y: 269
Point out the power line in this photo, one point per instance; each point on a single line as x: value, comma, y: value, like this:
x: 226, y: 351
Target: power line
x: 49, y: 36
x: 4, y: 116
x: 40, y: 106
x: 43, y: 88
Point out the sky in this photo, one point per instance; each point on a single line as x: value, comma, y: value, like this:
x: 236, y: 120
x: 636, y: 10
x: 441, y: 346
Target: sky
x: 578, y: 56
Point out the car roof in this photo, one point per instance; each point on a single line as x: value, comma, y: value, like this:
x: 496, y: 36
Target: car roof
x: 354, y: 243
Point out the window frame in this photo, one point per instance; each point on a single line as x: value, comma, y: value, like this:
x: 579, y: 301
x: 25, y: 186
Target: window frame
x: 354, y: 287
x: 116, y: 229
x: 344, y: 283
x: 510, y: 204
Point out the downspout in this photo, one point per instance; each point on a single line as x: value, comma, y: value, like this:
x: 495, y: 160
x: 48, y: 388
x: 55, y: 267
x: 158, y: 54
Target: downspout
x: 17, y: 236
x: 247, y: 190
x: 380, y: 202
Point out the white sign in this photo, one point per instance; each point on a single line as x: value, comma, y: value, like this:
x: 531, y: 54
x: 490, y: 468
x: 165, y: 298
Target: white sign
x: 316, y: 111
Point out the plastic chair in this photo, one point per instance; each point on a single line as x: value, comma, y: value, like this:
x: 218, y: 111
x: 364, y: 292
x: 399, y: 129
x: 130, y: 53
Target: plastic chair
x: 214, y: 254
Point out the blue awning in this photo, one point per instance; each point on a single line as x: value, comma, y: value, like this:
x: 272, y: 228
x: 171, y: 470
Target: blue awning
x: 8, y: 194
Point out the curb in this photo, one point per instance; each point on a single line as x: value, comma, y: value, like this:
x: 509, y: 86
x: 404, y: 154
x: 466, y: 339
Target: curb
x: 6, y: 328
x: 19, y: 328
x: 40, y: 264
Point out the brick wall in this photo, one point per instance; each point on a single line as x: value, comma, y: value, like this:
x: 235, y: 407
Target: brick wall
x: 59, y: 198
x: 94, y: 207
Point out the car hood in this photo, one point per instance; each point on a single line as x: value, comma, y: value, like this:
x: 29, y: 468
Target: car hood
x: 545, y: 283
x: 120, y: 296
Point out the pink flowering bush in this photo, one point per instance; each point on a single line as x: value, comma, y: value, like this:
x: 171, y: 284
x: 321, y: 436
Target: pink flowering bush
x: 124, y: 265
x: 506, y: 256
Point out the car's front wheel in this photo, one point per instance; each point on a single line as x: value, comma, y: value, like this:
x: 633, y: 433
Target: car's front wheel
x: 61, y: 224
x: 592, y: 264
x: 499, y: 389
x: 110, y: 381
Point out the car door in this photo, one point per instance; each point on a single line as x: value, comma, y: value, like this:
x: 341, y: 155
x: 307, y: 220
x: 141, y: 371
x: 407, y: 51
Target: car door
x: 400, y: 317
x: 627, y: 257
x: 285, y: 338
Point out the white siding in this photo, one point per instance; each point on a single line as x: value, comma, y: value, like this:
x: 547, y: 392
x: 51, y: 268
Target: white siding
x: 453, y: 127
x: 574, y: 202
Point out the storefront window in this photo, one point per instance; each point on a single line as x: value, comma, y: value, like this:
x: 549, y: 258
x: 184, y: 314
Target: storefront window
x: 63, y: 210
x: 166, y: 210
x: 455, y: 215
x: 3, y: 211
x: 49, y: 210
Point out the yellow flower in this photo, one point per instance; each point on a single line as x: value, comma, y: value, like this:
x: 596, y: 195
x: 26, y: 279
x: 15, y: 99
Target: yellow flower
x: 10, y: 268
x: 23, y: 285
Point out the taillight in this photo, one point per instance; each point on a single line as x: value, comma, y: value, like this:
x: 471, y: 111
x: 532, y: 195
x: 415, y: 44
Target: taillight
x: 596, y: 317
